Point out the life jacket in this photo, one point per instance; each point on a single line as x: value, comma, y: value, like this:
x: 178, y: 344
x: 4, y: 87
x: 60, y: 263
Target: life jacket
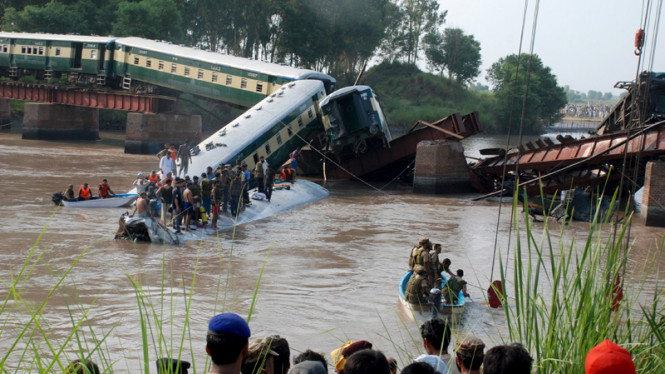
x: 103, y: 189
x: 418, y: 258
x: 286, y: 174
x: 173, y: 152
x: 153, y: 178
x: 413, y: 292
x: 85, y: 192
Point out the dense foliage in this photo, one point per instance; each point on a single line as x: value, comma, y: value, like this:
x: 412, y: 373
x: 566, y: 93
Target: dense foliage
x: 338, y: 37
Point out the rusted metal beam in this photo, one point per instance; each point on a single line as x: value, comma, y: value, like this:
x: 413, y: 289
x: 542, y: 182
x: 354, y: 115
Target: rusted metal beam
x: 89, y: 97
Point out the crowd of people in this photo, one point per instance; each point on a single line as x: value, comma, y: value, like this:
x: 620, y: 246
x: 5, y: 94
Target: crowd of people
x: 232, y: 352
x: 427, y: 275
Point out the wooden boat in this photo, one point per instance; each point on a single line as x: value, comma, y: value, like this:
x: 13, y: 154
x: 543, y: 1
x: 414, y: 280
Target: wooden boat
x: 424, y: 311
x: 117, y: 201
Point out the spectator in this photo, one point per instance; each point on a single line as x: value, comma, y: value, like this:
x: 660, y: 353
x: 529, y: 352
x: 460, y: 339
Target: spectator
x: 436, y: 338
x: 469, y: 355
x: 418, y: 368
x: 260, y: 358
x: 608, y: 358
x: 308, y: 367
x: 227, y: 342
x: 281, y: 346
x: 340, y: 354
x: 79, y: 367
x: 310, y: 355
x: 507, y: 359
x: 366, y: 361
x: 172, y: 366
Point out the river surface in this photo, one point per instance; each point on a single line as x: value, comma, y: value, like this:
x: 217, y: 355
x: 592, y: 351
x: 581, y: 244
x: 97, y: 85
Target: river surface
x: 330, y: 269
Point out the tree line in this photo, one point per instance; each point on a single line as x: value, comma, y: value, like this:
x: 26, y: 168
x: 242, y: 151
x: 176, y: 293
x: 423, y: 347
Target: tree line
x: 334, y: 36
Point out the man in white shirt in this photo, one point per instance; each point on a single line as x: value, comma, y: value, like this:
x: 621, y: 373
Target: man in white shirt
x: 166, y: 164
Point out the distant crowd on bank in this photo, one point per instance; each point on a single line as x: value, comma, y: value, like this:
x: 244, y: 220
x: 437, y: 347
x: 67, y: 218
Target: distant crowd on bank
x: 232, y: 352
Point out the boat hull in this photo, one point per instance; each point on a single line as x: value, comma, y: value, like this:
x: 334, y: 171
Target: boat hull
x: 120, y: 200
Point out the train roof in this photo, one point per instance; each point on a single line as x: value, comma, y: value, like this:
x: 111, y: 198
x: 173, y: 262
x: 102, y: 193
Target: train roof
x: 242, y: 131
x: 58, y: 37
x: 343, y: 92
x: 222, y: 59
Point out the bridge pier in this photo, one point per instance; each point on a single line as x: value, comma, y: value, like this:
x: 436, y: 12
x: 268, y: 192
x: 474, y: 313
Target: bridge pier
x: 440, y: 168
x: 147, y: 133
x: 5, y: 114
x: 60, y: 122
x: 653, y: 199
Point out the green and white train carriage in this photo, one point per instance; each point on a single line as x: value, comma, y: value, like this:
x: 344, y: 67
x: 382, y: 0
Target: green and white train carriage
x: 235, y: 80
x: 88, y: 58
x: 273, y: 128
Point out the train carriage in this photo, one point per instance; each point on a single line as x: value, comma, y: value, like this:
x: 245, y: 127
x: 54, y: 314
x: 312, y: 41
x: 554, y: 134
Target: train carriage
x: 87, y: 58
x: 236, y: 80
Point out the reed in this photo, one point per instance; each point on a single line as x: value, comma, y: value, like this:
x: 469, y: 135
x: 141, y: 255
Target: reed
x: 559, y: 297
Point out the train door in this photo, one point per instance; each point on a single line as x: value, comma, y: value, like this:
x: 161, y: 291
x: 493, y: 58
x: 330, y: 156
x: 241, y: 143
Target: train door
x: 12, y: 53
x: 76, y: 55
x: 100, y: 59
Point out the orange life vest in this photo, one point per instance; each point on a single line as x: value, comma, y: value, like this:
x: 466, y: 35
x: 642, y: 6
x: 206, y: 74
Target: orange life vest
x: 104, y: 189
x: 85, y: 192
x: 153, y: 178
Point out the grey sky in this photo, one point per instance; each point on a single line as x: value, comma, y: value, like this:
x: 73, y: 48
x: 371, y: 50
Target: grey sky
x: 588, y: 44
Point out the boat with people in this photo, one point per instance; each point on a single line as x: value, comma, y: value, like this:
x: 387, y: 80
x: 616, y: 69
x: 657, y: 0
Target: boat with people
x: 423, y: 311
x: 114, y: 201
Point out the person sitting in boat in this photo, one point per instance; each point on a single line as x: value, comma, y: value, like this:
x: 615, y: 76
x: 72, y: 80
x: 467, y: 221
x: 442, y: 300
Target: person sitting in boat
x: 84, y: 192
x: 105, y: 190
x: 446, y: 266
x: 417, y: 289
x: 141, y: 184
x: 153, y: 178
x: 436, y: 339
x: 69, y: 193
x: 453, y: 286
x: 142, y: 206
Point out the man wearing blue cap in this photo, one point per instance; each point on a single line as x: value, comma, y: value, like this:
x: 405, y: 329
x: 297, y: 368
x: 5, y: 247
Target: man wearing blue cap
x: 227, y: 343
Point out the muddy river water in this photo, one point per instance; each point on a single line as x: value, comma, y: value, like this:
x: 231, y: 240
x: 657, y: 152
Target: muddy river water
x: 331, y: 267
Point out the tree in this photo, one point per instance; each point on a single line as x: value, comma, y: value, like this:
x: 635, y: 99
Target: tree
x: 54, y: 17
x: 453, y: 51
x: 544, y: 100
x: 152, y: 19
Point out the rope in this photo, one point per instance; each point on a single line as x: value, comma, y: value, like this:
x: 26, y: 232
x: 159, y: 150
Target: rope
x: 399, y: 175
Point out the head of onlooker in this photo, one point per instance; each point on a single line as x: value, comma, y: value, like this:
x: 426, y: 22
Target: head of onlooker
x: 280, y: 345
x: 419, y: 368
x: 308, y: 367
x: 469, y: 355
x: 340, y: 354
x: 392, y: 363
x: 82, y: 367
x: 436, y: 336
x: 227, y: 342
x: 172, y: 366
x: 608, y: 358
x: 367, y: 361
x: 504, y: 359
x: 310, y: 355
x: 260, y: 358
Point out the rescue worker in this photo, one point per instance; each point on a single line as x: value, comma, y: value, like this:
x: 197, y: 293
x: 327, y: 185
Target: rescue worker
x: 453, y: 286
x: 153, y: 177
x: 259, y: 174
x: 235, y: 192
x: 105, y: 190
x: 69, y: 193
x: 417, y: 289
x: 84, y: 192
x: 420, y: 256
x: 435, y: 265
x: 287, y: 174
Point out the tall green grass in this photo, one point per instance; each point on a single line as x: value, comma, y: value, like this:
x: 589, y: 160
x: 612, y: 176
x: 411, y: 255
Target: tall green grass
x: 559, y: 299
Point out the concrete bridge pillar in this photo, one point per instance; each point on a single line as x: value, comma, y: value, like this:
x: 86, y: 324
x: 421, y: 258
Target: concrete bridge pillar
x: 60, y: 122
x: 653, y: 199
x: 441, y: 168
x: 5, y: 114
x: 147, y: 133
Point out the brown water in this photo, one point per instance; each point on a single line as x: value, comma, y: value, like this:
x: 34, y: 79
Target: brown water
x: 331, y: 271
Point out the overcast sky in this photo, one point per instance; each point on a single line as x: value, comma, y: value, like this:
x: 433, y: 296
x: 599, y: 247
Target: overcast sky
x: 588, y: 44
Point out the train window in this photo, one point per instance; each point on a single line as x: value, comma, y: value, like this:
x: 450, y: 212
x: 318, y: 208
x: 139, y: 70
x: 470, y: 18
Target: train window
x: 4, y: 48
x: 267, y: 149
x: 93, y: 54
x: 214, y: 77
x: 57, y: 51
x: 229, y: 80
x: 148, y: 63
x: 136, y: 60
x: 256, y: 158
x: 279, y: 139
x: 299, y: 122
x: 259, y: 87
x: 243, y: 83
x: 22, y: 49
x: 29, y: 50
x: 41, y: 50
x: 186, y: 71
x: 160, y: 65
x: 200, y: 74
x: 309, y: 113
x: 173, y: 68
x: 289, y: 131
